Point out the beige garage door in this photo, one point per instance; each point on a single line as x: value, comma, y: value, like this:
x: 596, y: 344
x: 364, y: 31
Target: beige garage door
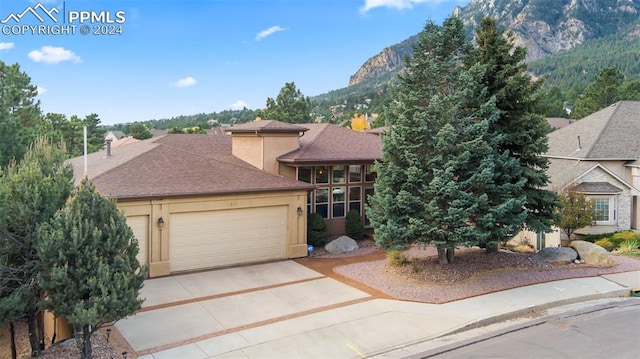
x: 199, y: 240
x: 140, y: 227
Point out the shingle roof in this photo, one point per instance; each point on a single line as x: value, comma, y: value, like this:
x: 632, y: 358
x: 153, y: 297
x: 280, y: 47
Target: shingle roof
x: 266, y: 126
x: 596, y: 187
x: 561, y: 172
x: 611, y: 133
x: 326, y: 143
x: 179, y: 165
x: 124, y: 141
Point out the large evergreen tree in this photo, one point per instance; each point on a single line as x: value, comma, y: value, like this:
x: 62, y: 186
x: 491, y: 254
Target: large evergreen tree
x: 19, y: 113
x: 520, y: 133
x: 88, y: 264
x: 438, y: 159
x: 289, y: 106
x: 31, y: 191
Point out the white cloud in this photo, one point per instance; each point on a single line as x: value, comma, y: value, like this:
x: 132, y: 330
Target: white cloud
x: 53, y: 55
x: 270, y: 31
x: 41, y: 90
x: 394, y: 4
x: 185, y: 82
x: 6, y: 45
x: 238, y: 105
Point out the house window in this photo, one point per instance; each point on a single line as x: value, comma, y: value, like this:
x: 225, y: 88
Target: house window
x: 337, y: 201
x: 604, y: 209
x: 322, y: 202
x: 370, y: 173
x: 322, y: 174
x: 304, y: 174
x: 355, y: 199
x: 339, y: 174
x: 355, y: 173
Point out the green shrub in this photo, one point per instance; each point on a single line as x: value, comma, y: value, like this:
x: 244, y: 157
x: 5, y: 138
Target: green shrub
x: 397, y: 258
x: 594, y: 237
x: 619, y: 237
x: 353, y: 225
x: 605, y: 243
x: 317, y: 231
x: 628, y: 246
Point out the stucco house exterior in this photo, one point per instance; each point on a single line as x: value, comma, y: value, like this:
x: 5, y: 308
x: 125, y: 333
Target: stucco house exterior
x: 599, y: 156
x: 202, y: 201
x: 339, y: 162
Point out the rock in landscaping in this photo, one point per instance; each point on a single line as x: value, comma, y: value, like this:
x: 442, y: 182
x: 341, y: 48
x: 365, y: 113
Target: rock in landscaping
x: 591, y: 253
x: 341, y: 245
x: 556, y: 255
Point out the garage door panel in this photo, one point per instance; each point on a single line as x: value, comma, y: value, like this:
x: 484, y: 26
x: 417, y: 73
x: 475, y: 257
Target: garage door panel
x: 140, y: 227
x: 217, y: 238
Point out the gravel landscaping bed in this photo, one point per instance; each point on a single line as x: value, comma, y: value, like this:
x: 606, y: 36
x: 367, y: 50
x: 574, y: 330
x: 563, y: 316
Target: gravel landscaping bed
x: 473, y: 273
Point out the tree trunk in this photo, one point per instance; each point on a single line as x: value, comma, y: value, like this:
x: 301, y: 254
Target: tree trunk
x: 492, y: 248
x: 12, y: 332
x: 34, y: 341
x: 451, y: 252
x: 442, y: 255
x: 86, y: 342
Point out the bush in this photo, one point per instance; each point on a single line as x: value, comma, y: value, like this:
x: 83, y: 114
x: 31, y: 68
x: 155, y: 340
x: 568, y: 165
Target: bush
x: 353, y: 225
x: 317, y: 231
x: 619, y: 237
x: 628, y: 246
x: 605, y: 243
x: 594, y: 237
x: 397, y: 258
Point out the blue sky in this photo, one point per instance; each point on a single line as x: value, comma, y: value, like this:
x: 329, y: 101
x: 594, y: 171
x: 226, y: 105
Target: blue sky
x: 186, y: 57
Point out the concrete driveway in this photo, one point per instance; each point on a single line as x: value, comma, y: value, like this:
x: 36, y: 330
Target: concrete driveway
x: 183, y: 309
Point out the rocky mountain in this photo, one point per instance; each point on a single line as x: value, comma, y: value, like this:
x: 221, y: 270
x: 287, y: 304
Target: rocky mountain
x: 389, y: 60
x: 544, y: 27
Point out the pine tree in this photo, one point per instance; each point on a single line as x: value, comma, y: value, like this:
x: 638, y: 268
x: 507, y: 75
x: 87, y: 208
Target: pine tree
x: 289, y: 106
x: 520, y: 132
x: 437, y: 155
x: 19, y: 113
x: 602, y: 92
x: 31, y: 191
x: 88, y: 264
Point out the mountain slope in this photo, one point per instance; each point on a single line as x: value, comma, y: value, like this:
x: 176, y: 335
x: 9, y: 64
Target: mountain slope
x: 544, y: 27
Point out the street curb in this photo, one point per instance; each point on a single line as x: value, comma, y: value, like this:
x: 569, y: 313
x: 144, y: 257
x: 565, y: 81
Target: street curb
x: 522, y: 323
x: 624, y: 292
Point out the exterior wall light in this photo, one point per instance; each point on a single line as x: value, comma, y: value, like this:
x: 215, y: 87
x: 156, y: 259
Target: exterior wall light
x: 160, y: 222
x: 300, y: 211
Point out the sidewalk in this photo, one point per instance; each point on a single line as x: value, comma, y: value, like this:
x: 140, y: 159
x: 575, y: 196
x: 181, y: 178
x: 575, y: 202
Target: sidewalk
x: 350, y: 325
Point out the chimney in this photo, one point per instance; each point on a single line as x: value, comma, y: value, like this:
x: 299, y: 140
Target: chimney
x: 109, y: 147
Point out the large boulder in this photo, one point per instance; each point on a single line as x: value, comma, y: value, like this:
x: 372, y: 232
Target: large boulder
x: 341, y: 245
x: 556, y: 255
x: 591, y: 253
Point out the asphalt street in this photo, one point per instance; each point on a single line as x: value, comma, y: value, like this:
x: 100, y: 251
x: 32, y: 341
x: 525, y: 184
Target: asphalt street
x: 600, y: 329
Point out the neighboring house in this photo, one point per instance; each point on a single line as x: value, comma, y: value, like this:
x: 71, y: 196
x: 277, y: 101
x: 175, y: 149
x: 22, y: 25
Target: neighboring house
x: 124, y: 141
x: 558, y: 122
x: 599, y: 155
x: 204, y: 201
x: 113, y: 136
